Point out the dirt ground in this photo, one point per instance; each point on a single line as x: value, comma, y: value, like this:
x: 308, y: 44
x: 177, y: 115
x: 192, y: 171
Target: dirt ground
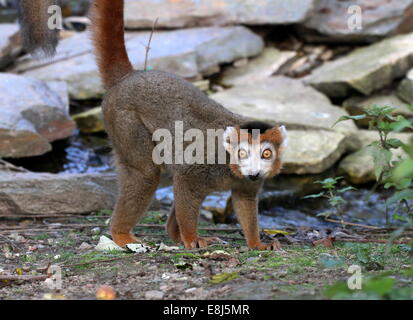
x: 231, y: 271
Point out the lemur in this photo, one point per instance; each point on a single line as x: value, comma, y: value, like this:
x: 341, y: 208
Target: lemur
x: 136, y: 104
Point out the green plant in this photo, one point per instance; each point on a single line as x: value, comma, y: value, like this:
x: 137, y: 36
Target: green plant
x: 394, y: 174
x: 332, y: 194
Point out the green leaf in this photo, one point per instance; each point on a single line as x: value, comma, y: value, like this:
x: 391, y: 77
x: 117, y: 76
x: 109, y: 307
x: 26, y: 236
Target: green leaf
x: 223, y: 277
x: 312, y: 196
x: 344, y: 118
x: 403, y: 170
x: 400, y: 195
x: 346, y: 189
x: 381, y: 159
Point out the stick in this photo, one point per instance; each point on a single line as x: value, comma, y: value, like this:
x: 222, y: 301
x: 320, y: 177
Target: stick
x: 352, y: 224
x: 22, y: 277
x: 148, y: 47
x: 374, y: 241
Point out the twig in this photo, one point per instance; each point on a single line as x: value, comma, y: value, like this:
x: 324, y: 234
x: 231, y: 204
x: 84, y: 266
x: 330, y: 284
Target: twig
x: 148, y: 47
x: 375, y: 241
x: 352, y: 224
x: 22, y: 277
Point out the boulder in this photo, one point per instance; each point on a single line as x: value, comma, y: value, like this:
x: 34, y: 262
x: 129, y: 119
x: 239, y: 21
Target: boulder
x: 357, y: 105
x: 288, y: 101
x: 405, y: 89
x: 380, y: 18
x: 10, y: 44
x: 260, y: 68
x: 189, y: 53
x: 358, y: 167
x: 312, y: 151
x: 43, y: 193
x: 194, y: 13
x: 365, y: 69
x: 33, y: 115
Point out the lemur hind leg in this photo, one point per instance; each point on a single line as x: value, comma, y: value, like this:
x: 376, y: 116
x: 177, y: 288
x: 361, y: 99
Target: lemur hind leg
x: 172, y: 227
x: 136, y: 192
x: 187, y: 205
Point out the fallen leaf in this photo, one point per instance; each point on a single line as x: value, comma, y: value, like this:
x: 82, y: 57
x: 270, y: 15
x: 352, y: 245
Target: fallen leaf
x: 164, y: 247
x: 138, y: 247
x: 106, y: 293
x: 223, y: 277
x: 105, y: 244
x: 275, y: 231
x: 326, y: 242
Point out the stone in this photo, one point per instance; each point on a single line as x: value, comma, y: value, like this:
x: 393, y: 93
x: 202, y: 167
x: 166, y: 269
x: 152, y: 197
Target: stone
x: 287, y: 101
x: 358, y: 105
x: 10, y: 44
x: 44, y: 193
x: 405, y: 89
x: 260, y: 68
x: 189, y: 53
x: 90, y: 121
x: 154, y: 295
x: 312, y: 151
x: 193, y: 13
x: 366, y: 69
x: 358, y: 167
x: 33, y: 115
x: 380, y: 18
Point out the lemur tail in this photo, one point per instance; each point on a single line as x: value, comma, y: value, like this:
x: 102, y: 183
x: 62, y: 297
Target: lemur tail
x: 34, y: 18
x: 107, y: 33
x: 109, y: 40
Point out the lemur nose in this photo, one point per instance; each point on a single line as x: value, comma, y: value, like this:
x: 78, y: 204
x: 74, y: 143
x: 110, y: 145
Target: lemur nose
x: 254, y: 177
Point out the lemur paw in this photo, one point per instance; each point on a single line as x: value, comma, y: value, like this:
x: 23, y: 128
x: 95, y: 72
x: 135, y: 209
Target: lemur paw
x: 273, y: 245
x: 202, y: 242
x: 122, y: 239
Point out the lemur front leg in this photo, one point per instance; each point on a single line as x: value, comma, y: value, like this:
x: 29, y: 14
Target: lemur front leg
x: 187, y: 202
x: 246, y: 208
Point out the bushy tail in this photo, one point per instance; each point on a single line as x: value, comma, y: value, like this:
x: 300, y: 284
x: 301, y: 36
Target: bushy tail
x: 109, y: 40
x: 34, y: 18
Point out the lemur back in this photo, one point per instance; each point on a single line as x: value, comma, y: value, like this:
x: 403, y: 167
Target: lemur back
x: 137, y: 104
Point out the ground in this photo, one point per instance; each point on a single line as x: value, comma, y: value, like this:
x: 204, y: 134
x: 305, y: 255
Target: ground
x: 230, y: 271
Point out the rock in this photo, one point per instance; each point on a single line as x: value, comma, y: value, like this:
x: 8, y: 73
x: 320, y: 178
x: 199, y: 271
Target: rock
x: 85, y: 246
x: 366, y: 69
x: 10, y: 44
x: 43, y: 193
x: 287, y: 101
x: 380, y: 18
x: 358, y: 105
x: 90, y: 121
x: 260, y: 68
x: 405, y: 89
x: 191, y: 13
x: 154, y: 295
x: 32, y: 116
x: 188, y: 53
x: 312, y: 151
x: 358, y: 167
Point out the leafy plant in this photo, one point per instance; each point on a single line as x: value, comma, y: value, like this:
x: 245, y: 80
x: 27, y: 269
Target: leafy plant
x: 330, y: 192
x: 396, y: 174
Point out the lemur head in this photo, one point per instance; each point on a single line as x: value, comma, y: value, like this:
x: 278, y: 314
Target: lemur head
x: 256, y: 149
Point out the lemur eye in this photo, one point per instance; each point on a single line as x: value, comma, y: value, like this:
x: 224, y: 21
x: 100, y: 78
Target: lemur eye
x: 242, y: 154
x: 267, y: 154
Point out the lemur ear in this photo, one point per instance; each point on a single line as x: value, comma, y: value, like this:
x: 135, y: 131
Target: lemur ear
x: 230, y: 137
x: 284, y: 135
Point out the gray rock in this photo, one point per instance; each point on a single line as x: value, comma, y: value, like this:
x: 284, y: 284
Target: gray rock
x: 43, y: 193
x: 312, y: 151
x: 32, y: 116
x: 380, y: 18
x: 358, y: 167
x: 358, y: 105
x: 405, y: 89
x: 188, y: 53
x: 287, y: 101
x: 10, y: 44
x: 366, y: 69
x: 191, y: 13
x: 259, y: 68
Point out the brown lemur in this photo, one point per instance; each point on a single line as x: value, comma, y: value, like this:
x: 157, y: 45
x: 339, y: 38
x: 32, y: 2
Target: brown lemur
x: 136, y: 104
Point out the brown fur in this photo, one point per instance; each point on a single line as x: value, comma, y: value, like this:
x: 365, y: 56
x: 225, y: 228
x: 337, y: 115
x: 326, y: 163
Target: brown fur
x: 138, y: 103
